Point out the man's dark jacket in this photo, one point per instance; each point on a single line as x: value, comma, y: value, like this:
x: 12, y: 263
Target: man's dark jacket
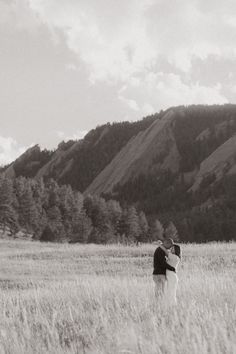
x: 159, y: 262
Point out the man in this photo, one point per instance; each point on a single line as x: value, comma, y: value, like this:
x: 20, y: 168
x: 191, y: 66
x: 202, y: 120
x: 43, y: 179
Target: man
x: 160, y: 267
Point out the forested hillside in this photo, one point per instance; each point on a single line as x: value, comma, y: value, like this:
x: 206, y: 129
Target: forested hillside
x: 77, y: 163
x: 178, y: 165
x: 178, y: 143
x: 29, y: 163
x: 207, y: 211
x: 49, y: 212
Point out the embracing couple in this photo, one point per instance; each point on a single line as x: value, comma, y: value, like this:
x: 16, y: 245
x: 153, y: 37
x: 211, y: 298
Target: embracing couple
x: 166, y: 259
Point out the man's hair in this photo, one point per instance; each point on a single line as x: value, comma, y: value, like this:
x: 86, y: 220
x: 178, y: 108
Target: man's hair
x: 168, y: 240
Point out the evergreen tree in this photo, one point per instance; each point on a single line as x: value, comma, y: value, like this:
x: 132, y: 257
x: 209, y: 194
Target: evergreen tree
x: 8, y: 216
x: 48, y: 234
x: 132, y: 222
x: 143, y: 226
x: 97, y: 211
x: 40, y: 197
x: 156, y: 230
x: 55, y: 223
x: 114, y: 215
x: 82, y: 228
x: 101, y: 220
x: 171, y: 232
x: 88, y: 206
x: 53, y: 194
x: 67, y: 207
x: 29, y: 216
x: 122, y: 226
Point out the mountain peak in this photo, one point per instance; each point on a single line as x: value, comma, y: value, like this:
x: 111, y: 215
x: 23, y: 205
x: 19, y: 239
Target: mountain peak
x: 137, y: 155
x: 184, y: 142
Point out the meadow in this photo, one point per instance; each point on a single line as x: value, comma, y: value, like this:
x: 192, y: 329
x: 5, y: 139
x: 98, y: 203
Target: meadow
x: 61, y: 298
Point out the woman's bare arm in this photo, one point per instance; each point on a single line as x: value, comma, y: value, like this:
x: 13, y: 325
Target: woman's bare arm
x: 164, y: 249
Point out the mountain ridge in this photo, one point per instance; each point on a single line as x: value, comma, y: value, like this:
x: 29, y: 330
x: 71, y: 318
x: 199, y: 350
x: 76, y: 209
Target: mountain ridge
x: 147, y: 162
x: 128, y: 160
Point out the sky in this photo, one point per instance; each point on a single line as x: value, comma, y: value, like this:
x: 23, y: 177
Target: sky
x: 70, y: 65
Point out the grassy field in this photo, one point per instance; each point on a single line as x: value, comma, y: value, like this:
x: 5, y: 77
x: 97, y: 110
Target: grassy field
x: 58, y: 298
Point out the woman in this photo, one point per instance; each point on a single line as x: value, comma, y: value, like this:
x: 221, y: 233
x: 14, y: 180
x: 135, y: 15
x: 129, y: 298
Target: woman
x: 173, y: 258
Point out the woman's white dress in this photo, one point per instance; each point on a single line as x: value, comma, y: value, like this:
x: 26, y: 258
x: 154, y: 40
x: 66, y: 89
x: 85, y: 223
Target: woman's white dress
x: 172, y: 280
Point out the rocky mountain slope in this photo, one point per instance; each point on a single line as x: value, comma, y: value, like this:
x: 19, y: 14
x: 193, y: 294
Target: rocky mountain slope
x: 156, y: 162
x: 28, y: 163
x: 221, y: 162
x: 151, y: 150
x: 78, y: 162
x: 190, y: 143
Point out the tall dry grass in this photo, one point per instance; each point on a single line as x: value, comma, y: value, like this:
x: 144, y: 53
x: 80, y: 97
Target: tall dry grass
x: 100, y: 299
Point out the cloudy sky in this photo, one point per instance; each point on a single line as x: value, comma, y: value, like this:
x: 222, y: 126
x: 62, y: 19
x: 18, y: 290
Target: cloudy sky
x: 69, y: 65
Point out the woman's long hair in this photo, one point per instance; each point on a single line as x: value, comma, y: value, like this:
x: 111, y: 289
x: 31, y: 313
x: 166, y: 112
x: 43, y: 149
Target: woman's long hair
x: 177, y: 250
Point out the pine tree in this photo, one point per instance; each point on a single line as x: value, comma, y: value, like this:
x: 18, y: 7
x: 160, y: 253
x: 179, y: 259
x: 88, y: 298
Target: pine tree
x: 53, y: 193
x: 48, y: 234
x: 143, y: 225
x: 132, y: 222
x: 171, y: 232
x: 29, y: 216
x: 8, y: 216
x: 114, y: 214
x: 156, y: 230
x: 55, y: 223
x: 101, y: 221
x: 67, y: 207
x: 40, y: 197
x: 122, y: 227
x: 19, y: 185
x: 39, y: 192
x: 97, y: 211
x: 81, y: 228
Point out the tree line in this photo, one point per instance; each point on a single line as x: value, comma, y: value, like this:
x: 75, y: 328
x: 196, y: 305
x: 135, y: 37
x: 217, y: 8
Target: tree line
x: 48, y: 212
x: 209, y: 214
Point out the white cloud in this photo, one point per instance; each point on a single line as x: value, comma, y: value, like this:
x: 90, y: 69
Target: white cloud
x: 79, y: 134
x: 110, y: 59
x: 109, y: 36
x: 19, y: 15
x: 117, y: 39
x: 132, y: 104
x: 159, y: 90
x: 122, y: 42
x: 233, y: 89
x: 147, y: 109
x: 9, y: 150
x: 71, y: 66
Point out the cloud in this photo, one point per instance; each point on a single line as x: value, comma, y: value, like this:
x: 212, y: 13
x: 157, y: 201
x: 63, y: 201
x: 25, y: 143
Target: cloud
x: 132, y: 104
x: 71, y: 66
x: 9, y: 150
x: 117, y: 39
x: 123, y: 43
x: 109, y: 36
x: 18, y: 14
x: 159, y: 90
x: 79, y: 134
x: 93, y: 61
